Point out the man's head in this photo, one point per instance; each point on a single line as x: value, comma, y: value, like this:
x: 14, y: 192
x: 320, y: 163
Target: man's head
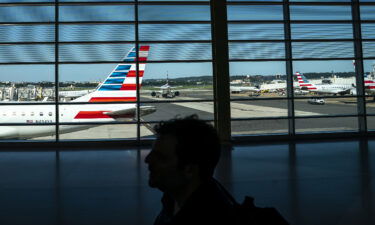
x: 185, y: 149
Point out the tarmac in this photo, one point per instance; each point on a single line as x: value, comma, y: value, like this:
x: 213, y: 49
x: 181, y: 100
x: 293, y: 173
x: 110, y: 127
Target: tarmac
x: 239, y: 110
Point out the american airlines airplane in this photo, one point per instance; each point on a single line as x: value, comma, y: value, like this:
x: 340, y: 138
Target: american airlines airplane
x: 369, y: 86
x: 120, y: 86
x: 335, y: 89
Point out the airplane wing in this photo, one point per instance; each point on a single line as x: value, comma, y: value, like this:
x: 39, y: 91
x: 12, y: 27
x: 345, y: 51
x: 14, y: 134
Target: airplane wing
x: 131, y: 112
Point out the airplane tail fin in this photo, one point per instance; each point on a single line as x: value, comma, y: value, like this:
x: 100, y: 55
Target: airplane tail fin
x: 121, y: 84
x: 304, y: 83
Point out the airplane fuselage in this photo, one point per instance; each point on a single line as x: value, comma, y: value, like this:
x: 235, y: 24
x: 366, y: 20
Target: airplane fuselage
x: 42, y: 115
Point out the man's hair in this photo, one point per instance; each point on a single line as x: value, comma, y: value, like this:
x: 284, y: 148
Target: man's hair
x: 197, y: 143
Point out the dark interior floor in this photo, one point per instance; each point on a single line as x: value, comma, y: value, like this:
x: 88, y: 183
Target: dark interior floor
x: 310, y: 183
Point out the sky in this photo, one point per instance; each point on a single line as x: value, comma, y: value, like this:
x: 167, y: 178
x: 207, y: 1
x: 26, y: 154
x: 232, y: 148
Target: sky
x: 170, y: 32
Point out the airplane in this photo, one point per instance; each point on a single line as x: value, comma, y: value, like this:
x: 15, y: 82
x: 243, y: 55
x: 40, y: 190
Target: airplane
x: 369, y: 86
x: 334, y: 89
x: 74, y: 94
x: 241, y: 89
x: 120, y: 86
x: 165, y: 91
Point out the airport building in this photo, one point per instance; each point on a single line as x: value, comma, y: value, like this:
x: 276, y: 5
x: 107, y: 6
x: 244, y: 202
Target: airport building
x: 295, y: 135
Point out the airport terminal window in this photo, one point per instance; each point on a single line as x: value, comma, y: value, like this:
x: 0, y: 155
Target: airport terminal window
x: 315, y: 43
x: 112, y: 70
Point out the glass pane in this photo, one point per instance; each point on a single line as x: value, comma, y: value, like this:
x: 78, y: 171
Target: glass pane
x: 325, y: 78
x: 258, y: 108
x: 23, y: 75
x: 298, y: 12
x: 368, y: 30
x: 369, y: 79
x: 93, y: 52
x: 326, y: 124
x: 27, y: 14
x: 147, y: 131
x: 35, y: 85
x: 180, y: 51
x: 167, y: 111
x: 322, y: 49
x: 368, y: 49
x: 322, y: 31
x: 167, y: 32
x: 27, y: 33
x: 371, y: 123
x: 256, y: 50
x: 331, y: 106
x: 256, y: 127
x: 96, y: 32
x: 255, y: 12
x: 257, y: 79
x: 28, y: 132
x: 177, y: 81
x: 174, y: 13
x: 27, y: 53
x: 87, y: 132
x: 97, y: 13
x: 256, y: 31
x: 367, y: 12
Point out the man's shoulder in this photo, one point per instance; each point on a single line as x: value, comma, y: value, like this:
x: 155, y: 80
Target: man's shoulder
x: 216, y: 193
x: 212, y: 199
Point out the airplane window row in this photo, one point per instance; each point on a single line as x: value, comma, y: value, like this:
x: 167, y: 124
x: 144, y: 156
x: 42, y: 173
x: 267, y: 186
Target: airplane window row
x: 31, y: 114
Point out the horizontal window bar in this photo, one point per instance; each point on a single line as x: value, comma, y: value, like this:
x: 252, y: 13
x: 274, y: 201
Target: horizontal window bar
x: 158, y: 121
x: 177, y: 41
x: 282, y: 3
x: 296, y: 117
x: 106, y: 3
x: 65, y: 123
x: 100, y: 62
x: 295, y: 40
x: 107, y: 42
x: 296, y: 97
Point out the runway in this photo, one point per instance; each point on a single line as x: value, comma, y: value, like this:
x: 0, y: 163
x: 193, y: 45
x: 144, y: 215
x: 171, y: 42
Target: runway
x: 239, y: 110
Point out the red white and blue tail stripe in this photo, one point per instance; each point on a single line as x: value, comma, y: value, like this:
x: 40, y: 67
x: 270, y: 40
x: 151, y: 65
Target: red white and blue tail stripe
x: 304, y: 83
x: 121, y: 84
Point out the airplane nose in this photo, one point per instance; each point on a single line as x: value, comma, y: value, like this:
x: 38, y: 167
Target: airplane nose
x: 8, y: 132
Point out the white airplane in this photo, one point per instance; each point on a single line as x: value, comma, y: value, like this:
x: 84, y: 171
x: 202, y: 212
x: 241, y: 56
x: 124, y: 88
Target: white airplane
x: 165, y: 91
x: 369, y: 86
x: 120, y: 86
x: 335, y: 89
x: 74, y: 94
x: 241, y: 89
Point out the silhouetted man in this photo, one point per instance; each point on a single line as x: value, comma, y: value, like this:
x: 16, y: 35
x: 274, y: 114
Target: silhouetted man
x: 181, y: 164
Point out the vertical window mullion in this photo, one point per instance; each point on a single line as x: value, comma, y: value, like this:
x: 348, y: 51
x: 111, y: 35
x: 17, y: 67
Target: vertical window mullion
x: 57, y: 70
x: 289, y: 68
x: 219, y: 27
x: 137, y: 70
x: 359, y: 71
